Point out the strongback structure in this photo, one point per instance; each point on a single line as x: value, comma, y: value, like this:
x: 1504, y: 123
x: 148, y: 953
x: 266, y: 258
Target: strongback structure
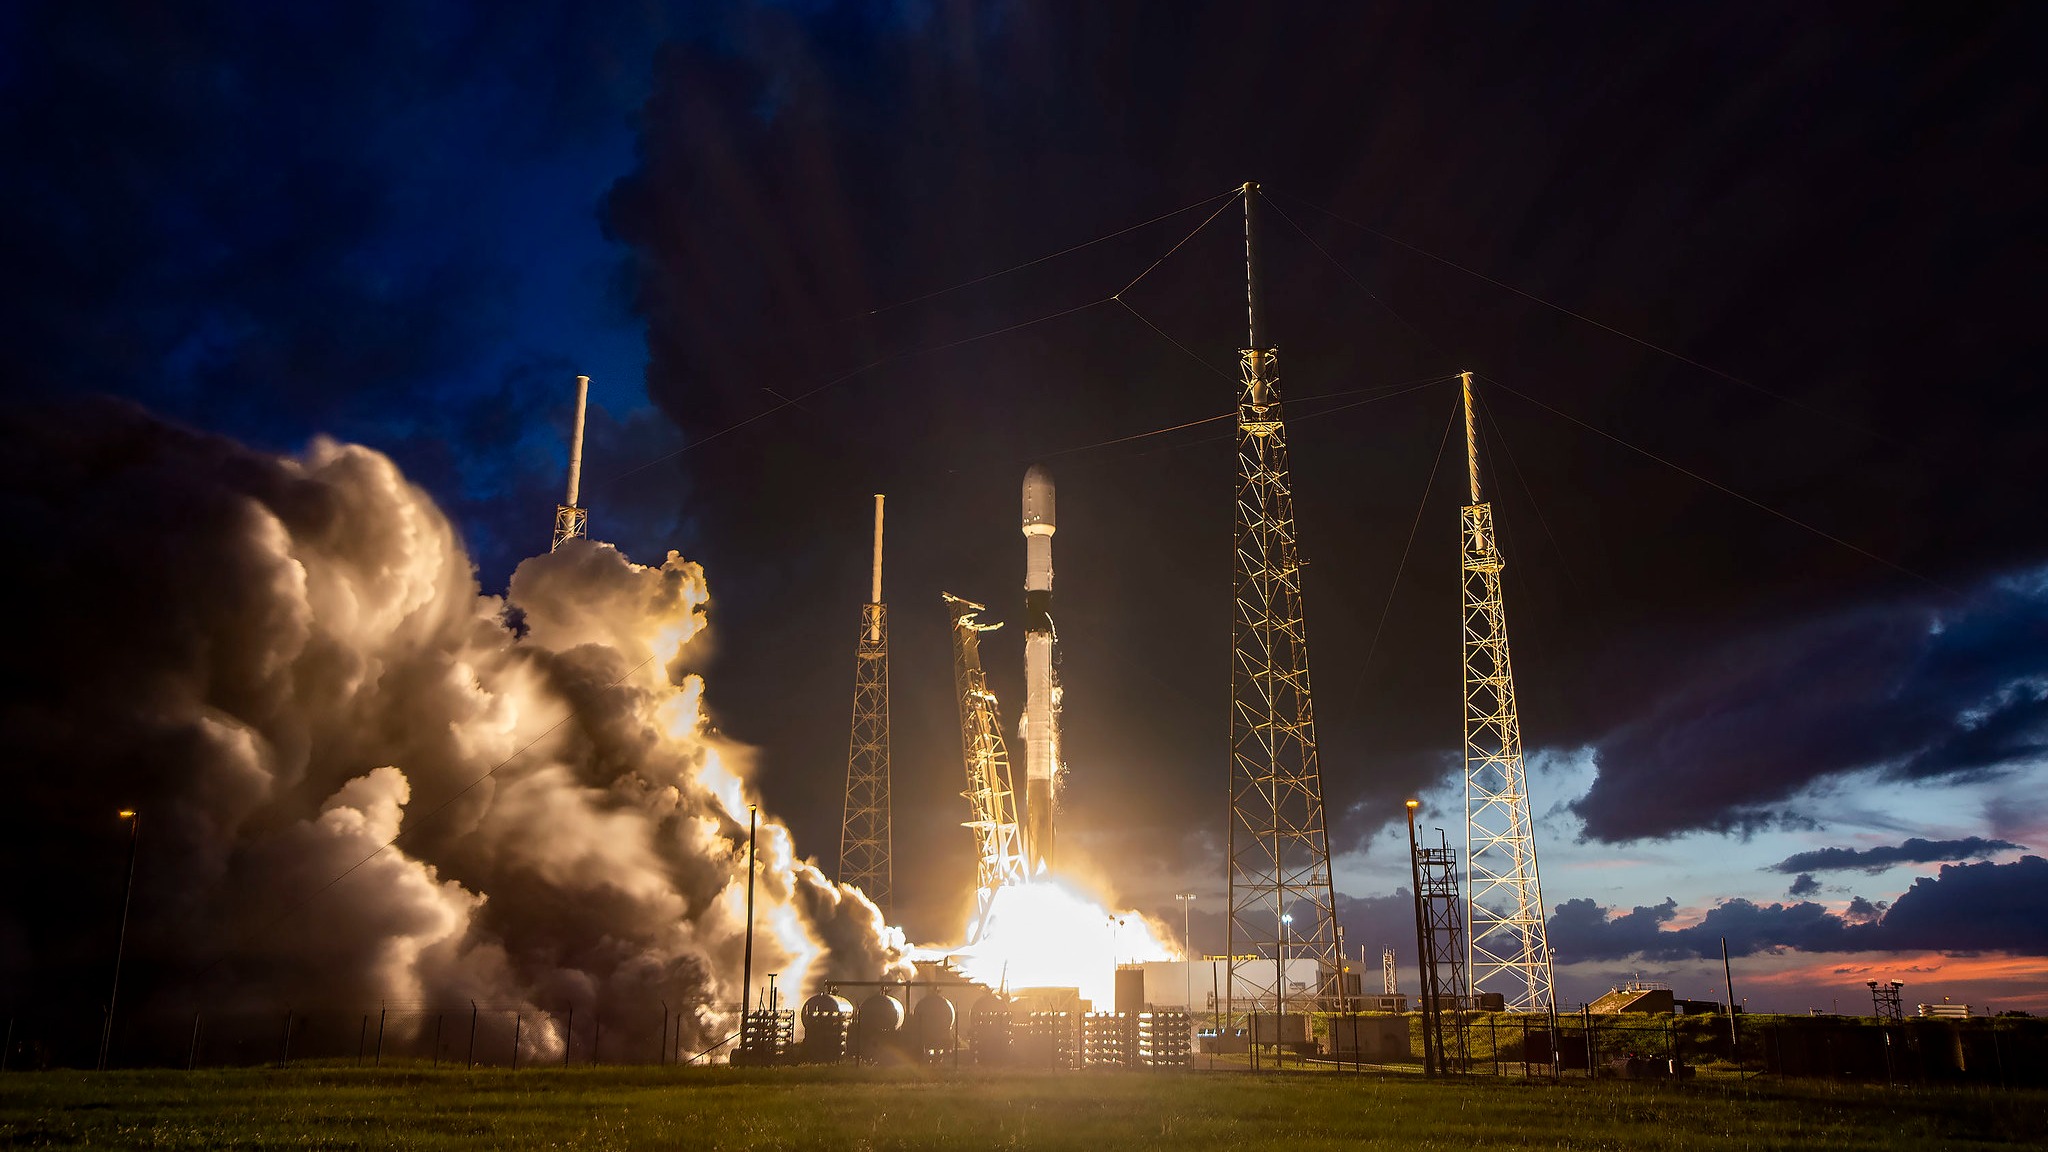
x: 864, y: 832
x: 1279, y: 859
x: 571, y: 519
x: 1508, y: 951
x: 999, y: 842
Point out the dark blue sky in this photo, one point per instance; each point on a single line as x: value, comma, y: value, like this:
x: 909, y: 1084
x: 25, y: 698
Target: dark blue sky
x: 410, y: 226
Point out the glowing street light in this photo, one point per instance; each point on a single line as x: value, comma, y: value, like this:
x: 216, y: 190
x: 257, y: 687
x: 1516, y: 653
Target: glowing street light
x: 134, y: 820
x: 1280, y: 989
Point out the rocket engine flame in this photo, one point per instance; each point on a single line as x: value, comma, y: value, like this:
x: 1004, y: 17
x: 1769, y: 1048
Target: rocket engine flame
x: 1051, y: 934
x: 313, y: 672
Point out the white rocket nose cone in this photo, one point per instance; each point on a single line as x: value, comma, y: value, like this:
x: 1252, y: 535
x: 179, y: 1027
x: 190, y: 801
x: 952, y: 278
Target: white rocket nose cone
x: 1037, y: 498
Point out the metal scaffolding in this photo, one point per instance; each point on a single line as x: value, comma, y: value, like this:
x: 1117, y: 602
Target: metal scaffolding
x: 999, y: 841
x: 1509, y: 952
x: 1282, y: 901
x: 864, y: 831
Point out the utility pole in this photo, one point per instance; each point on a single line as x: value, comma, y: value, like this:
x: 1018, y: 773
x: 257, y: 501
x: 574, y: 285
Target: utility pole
x: 747, y: 964
x: 1424, y: 1000
x: 134, y: 819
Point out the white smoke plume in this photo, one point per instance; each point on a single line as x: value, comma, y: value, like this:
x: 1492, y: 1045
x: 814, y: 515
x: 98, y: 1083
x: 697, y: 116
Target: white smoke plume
x: 285, y: 663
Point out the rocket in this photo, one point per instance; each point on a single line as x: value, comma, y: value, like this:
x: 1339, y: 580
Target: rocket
x: 1041, y: 705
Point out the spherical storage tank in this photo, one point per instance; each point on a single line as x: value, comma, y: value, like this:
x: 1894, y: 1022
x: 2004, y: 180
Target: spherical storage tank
x: 825, y: 1019
x: 879, y: 1020
x: 934, y: 1024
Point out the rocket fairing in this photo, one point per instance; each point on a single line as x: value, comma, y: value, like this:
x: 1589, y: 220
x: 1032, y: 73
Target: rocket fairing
x: 1041, y: 727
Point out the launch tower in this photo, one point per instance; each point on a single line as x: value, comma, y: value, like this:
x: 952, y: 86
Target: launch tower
x: 571, y: 519
x: 864, y: 832
x: 1282, y: 900
x: 1508, y: 951
x: 999, y: 842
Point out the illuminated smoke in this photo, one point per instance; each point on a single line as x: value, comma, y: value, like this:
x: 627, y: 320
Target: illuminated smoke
x: 286, y: 662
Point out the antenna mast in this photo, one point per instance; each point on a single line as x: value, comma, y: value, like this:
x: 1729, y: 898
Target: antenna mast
x: 1279, y: 859
x: 1507, y: 950
x: 865, y: 828
x: 571, y: 519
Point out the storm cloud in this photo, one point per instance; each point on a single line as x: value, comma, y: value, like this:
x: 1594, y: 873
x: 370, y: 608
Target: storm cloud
x: 1914, y: 850
x: 1953, y: 688
x: 1965, y: 908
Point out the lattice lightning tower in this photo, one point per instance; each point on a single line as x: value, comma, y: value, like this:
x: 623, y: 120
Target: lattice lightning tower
x: 1508, y: 951
x: 864, y: 833
x: 1279, y: 842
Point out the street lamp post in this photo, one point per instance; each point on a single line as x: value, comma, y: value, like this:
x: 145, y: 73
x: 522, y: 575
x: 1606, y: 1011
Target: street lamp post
x: 1280, y: 990
x: 1187, y: 947
x: 134, y: 819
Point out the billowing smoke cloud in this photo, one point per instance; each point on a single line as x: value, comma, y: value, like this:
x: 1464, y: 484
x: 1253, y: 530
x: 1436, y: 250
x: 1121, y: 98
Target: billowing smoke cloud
x: 1966, y: 908
x: 285, y: 664
x: 1915, y: 850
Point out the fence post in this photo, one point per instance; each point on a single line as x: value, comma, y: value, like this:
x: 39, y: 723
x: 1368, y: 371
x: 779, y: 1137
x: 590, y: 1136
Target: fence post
x: 596, y: 1039
x: 363, y: 1039
x: 1586, y: 1015
x: 470, y: 1060
x: 381, y: 1010
x: 437, y: 1039
x: 568, y: 1033
x: 192, y: 1048
x: 1493, y: 1038
x: 285, y: 1056
x: 517, y: 1021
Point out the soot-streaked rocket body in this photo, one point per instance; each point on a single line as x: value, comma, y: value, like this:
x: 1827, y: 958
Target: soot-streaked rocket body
x: 1041, y: 705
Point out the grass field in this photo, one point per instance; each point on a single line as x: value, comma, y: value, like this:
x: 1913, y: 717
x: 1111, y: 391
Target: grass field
x: 1097, y: 1112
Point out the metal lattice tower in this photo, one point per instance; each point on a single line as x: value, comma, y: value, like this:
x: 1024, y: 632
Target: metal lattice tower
x: 864, y: 832
x: 571, y: 519
x: 1279, y: 857
x: 998, y: 840
x: 1509, y: 950
x: 1389, y: 983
